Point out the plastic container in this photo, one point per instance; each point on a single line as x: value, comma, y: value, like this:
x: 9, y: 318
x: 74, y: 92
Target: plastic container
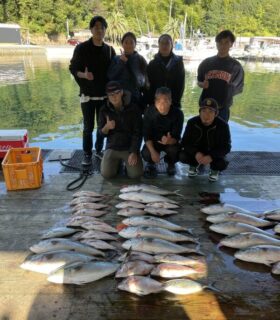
x: 12, y: 139
x: 23, y: 168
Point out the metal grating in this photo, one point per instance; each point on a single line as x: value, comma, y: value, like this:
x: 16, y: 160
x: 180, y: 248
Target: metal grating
x: 241, y: 163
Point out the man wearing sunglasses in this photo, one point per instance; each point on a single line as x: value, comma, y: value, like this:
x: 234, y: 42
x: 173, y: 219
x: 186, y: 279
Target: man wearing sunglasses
x: 121, y: 122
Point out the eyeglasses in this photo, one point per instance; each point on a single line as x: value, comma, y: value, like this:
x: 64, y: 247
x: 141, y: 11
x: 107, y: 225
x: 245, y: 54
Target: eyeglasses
x: 113, y: 93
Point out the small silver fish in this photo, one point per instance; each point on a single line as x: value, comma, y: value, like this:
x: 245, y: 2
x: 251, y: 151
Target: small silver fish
x: 183, y: 286
x: 130, y: 204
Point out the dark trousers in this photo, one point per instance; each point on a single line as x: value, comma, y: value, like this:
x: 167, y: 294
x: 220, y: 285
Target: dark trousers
x: 224, y: 113
x: 89, y: 110
x: 218, y: 164
x: 172, y: 152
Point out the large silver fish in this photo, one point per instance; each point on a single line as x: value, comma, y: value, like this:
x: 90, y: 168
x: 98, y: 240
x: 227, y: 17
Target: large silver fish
x: 172, y: 270
x: 94, y: 225
x: 190, y: 260
x: 153, y: 222
x: 98, y: 244
x: 148, y: 189
x: 130, y: 204
x: 182, y: 286
x: 140, y: 285
x: 223, y: 208
x: 136, y: 255
x: 247, y: 239
x: 144, y: 197
x: 50, y: 261
x: 55, y: 244
x: 264, y: 254
x: 239, y: 217
x: 160, y: 211
x: 133, y: 268
x: 58, y: 232
x: 153, y: 246
x: 231, y: 227
x: 129, y: 212
x: 154, y: 232
x: 83, y: 272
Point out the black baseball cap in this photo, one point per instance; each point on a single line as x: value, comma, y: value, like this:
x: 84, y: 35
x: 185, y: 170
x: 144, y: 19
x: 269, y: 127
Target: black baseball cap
x: 209, y: 103
x: 113, y: 86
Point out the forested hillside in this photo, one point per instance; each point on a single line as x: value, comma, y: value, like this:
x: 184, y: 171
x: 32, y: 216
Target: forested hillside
x: 244, y: 17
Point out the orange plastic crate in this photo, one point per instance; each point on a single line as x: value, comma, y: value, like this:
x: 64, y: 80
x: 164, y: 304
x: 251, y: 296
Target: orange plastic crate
x: 23, y: 168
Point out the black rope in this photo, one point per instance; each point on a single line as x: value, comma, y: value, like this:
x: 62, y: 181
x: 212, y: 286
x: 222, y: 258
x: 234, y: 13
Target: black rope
x: 85, y: 172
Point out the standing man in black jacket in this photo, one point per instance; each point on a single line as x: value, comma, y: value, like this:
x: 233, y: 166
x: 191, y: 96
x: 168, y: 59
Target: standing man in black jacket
x: 206, y: 141
x: 221, y: 77
x: 166, y: 70
x: 162, y: 126
x: 121, y: 122
x: 89, y: 66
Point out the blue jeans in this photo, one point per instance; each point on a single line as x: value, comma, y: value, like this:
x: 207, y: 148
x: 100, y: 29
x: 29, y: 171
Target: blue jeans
x: 89, y: 110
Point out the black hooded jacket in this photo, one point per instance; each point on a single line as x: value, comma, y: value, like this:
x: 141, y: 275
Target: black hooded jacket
x: 127, y: 134
x: 218, y: 141
x: 171, y: 76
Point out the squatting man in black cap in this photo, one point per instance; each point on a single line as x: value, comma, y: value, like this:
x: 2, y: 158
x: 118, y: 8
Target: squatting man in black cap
x: 206, y: 141
x: 121, y: 122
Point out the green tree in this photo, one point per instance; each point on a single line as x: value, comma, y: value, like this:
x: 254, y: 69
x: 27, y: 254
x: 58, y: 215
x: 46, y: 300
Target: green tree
x: 117, y: 26
x: 173, y: 28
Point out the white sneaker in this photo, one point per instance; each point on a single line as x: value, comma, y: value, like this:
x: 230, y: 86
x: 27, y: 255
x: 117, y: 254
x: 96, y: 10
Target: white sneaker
x: 193, y: 171
x: 213, y: 175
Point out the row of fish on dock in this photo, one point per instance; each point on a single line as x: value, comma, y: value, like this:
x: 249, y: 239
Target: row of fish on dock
x: 87, y: 248
x: 244, y: 231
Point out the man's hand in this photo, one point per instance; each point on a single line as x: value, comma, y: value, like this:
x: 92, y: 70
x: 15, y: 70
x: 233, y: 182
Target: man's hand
x: 199, y: 157
x: 85, y: 75
x: 132, y: 159
x: 155, y: 156
x: 166, y: 139
x: 205, y: 84
x: 110, y: 124
x: 206, y: 160
x: 123, y: 57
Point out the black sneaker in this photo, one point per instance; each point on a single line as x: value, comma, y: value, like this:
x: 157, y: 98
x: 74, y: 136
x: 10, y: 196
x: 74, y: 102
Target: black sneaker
x: 87, y: 161
x: 171, y: 169
x: 150, y: 171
